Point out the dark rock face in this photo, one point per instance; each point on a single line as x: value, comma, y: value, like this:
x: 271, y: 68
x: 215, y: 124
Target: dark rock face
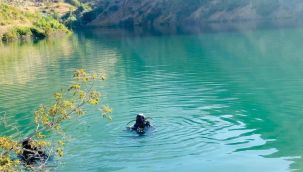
x: 164, y: 13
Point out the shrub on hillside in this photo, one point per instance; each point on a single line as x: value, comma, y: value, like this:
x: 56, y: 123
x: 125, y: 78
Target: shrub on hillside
x: 17, y: 33
x: 49, y: 25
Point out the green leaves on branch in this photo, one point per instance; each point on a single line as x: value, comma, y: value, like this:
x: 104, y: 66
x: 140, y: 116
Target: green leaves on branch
x: 82, y: 75
x: 106, y: 111
x: 70, y: 102
x: 8, y: 144
x: 6, y: 163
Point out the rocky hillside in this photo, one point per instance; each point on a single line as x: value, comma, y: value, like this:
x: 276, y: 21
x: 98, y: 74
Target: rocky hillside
x: 157, y: 13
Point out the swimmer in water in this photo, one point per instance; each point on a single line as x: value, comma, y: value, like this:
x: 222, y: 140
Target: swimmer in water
x: 141, y: 124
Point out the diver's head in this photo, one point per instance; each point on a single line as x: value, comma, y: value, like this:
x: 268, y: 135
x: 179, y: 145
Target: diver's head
x: 26, y: 142
x: 140, y: 118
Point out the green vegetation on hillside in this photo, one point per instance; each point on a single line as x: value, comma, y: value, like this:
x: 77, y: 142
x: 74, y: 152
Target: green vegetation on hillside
x: 16, y: 24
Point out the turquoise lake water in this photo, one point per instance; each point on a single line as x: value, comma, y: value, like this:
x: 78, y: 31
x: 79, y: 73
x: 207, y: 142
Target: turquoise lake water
x: 225, y: 101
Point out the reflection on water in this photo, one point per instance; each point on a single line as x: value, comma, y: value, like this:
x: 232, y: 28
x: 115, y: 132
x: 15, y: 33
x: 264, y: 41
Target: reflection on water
x: 219, y: 101
x: 21, y: 57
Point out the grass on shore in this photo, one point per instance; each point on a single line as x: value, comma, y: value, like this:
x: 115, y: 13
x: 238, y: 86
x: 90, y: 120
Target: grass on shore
x: 17, y: 24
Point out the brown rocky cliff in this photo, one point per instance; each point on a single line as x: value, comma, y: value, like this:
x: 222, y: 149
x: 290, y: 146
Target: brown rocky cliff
x: 158, y: 13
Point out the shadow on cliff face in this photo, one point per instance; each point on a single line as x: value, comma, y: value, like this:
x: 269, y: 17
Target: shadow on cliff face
x: 190, y: 28
x: 165, y: 15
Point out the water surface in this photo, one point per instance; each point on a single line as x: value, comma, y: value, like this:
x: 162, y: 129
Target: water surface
x: 227, y: 101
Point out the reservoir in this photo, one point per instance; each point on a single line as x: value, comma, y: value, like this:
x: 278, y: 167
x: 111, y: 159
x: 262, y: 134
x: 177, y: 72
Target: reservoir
x: 220, y: 101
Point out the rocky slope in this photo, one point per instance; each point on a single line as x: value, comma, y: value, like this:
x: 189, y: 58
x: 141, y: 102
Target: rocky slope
x: 158, y: 13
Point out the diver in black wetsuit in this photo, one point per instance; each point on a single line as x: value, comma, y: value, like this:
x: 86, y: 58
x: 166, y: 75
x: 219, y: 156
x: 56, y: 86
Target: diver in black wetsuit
x: 141, y: 124
x: 32, y: 154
